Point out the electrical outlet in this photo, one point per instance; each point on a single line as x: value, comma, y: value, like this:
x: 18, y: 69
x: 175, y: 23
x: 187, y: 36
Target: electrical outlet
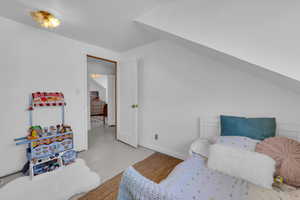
x: 156, y: 136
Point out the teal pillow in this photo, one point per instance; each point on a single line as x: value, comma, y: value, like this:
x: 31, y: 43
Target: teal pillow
x: 255, y: 128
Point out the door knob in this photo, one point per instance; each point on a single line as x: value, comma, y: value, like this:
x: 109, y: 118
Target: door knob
x: 134, y: 105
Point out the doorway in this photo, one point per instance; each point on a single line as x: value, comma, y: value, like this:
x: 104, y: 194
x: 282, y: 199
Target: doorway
x: 122, y: 112
x: 110, y: 152
x: 101, y: 88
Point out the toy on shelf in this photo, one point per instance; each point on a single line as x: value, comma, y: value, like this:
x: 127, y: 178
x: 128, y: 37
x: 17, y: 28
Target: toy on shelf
x: 34, y: 132
x: 69, y: 157
x: 48, y: 147
x: 46, y: 167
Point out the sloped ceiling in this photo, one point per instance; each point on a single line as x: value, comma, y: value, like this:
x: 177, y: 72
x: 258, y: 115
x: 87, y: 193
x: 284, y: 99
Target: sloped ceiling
x: 262, y: 32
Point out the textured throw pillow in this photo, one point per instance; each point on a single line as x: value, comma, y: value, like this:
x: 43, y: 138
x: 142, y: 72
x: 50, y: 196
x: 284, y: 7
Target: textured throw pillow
x: 255, y: 128
x: 286, y: 153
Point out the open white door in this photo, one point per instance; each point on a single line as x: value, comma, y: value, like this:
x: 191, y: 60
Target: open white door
x: 127, y: 98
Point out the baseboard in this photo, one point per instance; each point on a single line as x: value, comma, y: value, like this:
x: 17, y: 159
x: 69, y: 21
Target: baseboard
x: 10, y: 174
x: 163, y: 150
x: 111, y: 123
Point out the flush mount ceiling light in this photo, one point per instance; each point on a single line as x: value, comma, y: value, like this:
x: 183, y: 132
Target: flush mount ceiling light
x: 45, y: 19
x: 95, y: 75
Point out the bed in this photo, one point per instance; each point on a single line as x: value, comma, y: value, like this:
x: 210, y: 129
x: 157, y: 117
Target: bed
x: 98, y: 107
x: 193, y: 180
x: 209, y: 128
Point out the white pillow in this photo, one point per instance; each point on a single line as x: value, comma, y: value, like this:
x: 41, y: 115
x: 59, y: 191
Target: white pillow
x: 200, y: 147
x: 251, y: 166
x: 238, y: 142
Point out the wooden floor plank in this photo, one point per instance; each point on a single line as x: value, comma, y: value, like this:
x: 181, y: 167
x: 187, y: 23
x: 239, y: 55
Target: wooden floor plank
x: 156, y: 168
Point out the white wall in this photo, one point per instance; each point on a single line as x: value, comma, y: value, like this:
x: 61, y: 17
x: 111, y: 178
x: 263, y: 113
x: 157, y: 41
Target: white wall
x: 102, y: 80
x: 101, y: 67
x: 35, y: 60
x: 259, y: 32
x: 95, y: 85
x: 178, y: 85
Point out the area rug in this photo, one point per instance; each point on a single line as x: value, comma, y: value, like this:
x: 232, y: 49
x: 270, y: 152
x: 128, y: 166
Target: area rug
x: 156, y: 168
x: 60, y: 184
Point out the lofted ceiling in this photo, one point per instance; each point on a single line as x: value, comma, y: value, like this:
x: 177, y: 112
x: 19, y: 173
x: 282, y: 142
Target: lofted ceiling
x: 261, y: 32
x: 105, y: 23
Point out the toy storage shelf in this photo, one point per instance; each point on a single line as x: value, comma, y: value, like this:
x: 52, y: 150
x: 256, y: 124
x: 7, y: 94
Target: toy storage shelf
x: 26, y: 141
x: 47, y: 146
x: 48, y: 149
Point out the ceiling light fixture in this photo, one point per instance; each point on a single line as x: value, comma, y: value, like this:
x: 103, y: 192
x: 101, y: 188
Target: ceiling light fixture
x: 45, y: 19
x: 95, y: 75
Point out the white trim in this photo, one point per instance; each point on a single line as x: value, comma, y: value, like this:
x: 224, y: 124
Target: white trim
x: 111, y: 123
x: 118, y: 101
x: 163, y: 150
x: 85, y: 106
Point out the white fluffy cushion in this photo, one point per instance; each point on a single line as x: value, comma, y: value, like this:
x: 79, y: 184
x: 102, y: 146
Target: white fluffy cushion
x: 238, y: 142
x: 251, y: 166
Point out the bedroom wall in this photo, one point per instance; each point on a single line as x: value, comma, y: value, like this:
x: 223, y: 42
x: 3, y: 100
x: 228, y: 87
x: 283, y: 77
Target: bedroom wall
x: 94, y: 85
x: 102, y: 80
x: 177, y: 85
x: 100, y: 67
x: 35, y: 60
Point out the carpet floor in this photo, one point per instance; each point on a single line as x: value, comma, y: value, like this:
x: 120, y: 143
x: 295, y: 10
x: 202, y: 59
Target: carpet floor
x: 156, y: 168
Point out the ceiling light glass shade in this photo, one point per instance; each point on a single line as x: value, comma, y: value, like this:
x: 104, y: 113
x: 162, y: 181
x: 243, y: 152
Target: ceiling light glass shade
x: 45, y: 19
x: 95, y: 75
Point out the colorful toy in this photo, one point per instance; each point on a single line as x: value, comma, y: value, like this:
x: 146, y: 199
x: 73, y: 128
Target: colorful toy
x: 34, y: 132
x: 52, y: 131
x: 46, y: 166
x: 50, y: 147
x: 278, y: 179
x: 66, y: 128
x: 69, y: 157
x: 48, y: 99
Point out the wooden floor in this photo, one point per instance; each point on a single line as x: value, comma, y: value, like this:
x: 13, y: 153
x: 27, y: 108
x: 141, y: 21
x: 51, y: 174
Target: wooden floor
x: 156, y: 168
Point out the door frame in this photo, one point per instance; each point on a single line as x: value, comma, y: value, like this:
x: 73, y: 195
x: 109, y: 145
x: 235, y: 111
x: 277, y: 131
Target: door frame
x: 116, y: 88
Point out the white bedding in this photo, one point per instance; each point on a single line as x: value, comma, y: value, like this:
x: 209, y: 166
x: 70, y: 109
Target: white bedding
x: 193, y: 180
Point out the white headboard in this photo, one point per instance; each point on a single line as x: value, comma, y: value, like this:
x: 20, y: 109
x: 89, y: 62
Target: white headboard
x: 210, y: 128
